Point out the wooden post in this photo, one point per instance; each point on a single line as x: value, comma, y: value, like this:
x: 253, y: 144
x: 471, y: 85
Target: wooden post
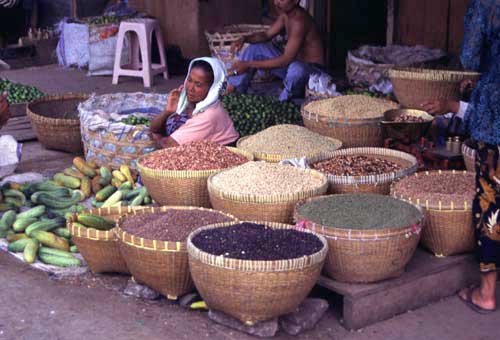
x: 390, y: 22
x: 74, y: 9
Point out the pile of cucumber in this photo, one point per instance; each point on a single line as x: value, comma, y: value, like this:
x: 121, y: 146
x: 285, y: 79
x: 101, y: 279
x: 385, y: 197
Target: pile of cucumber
x: 40, y: 231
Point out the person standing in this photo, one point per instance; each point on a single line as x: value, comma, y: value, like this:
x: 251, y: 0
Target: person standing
x: 481, y: 52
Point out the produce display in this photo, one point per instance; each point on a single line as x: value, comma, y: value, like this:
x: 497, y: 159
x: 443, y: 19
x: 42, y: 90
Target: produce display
x: 171, y: 225
x: 193, y: 156
x: 252, y: 113
x: 287, y: 139
x: 261, y: 178
x: 18, y: 93
x: 105, y: 20
x: 356, y: 165
x: 360, y: 212
x: 136, y: 120
x: 251, y: 241
x: 351, y: 107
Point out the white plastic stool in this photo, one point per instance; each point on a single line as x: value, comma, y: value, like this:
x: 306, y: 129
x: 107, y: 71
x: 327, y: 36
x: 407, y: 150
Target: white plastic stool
x: 141, y: 41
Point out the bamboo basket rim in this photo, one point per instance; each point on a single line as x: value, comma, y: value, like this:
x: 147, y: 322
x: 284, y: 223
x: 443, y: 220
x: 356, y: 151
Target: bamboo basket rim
x: 272, y: 198
x: 55, y: 121
x: 299, y: 263
x: 368, y: 179
x: 273, y: 157
x: 430, y: 204
x: 249, y: 29
x: 345, y: 120
x: 100, y: 235
x: 157, y: 245
x: 411, y: 73
x: 186, y: 173
x: 338, y: 233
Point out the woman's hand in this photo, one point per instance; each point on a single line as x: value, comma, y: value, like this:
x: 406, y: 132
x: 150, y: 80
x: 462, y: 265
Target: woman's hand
x: 237, y: 45
x: 441, y: 106
x: 173, y: 99
x: 4, y: 109
x: 238, y: 67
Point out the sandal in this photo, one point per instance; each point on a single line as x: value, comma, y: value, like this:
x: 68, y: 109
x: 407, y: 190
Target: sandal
x: 469, y: 303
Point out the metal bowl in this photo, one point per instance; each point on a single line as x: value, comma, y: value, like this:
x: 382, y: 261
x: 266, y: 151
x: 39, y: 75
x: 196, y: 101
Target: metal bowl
x: 407, y: 132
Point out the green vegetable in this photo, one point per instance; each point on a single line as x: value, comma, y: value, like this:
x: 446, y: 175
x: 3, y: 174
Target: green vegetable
x: 18, y: 246
x: 59, y: 260
x: 33, y: 212
x: 22, y: 223
x: 7, y: 220
x: 18, y: 93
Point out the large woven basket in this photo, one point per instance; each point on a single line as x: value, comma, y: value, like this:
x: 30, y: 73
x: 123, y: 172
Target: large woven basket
x: 413, y: 86
x: 352, y: 131
x: 219, y: 44
x: 275, y: 158
x: 270, y: 208
x: 469, y: 154
x: 181, y: 187
x: 364, y: 256
x: 253, y: 291
x: 448, y: 225
x: 161, y: 265
x: 100, y: 248
x: 56, y: 123
x: 370, y: 184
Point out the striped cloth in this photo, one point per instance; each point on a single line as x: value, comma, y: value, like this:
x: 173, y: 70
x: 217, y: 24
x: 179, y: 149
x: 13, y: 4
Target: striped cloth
x: 8, y: 3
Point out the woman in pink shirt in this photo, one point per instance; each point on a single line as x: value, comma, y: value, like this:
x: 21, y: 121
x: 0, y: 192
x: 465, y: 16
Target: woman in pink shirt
x: 194, y: 112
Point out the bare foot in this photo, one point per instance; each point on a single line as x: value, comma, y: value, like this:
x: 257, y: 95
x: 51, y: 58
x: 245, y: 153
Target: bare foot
x: 478, y: 299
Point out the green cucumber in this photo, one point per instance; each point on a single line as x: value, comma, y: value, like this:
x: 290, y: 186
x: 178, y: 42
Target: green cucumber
x: 59, y: 260
x: 45, y: 225
x: 7, y: 220
x: 18, y: 246
x: 22, y: 223
x: 56, y: 252
x: 33, y: 212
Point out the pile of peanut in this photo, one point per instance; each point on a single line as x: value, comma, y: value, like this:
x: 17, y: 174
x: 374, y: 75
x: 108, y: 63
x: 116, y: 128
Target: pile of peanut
x: 356, y: 165
x: 193, y: 156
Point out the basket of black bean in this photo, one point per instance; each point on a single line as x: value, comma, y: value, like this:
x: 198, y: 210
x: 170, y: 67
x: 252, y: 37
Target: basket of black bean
x: 363, y: 170
x: 255, y: 271
x: 153, y: 244
x: 446, y: 197
x: 370, y: 237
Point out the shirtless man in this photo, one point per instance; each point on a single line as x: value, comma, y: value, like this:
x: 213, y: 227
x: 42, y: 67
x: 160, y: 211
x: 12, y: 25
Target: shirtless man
x: 4, y: 109
x: 303, y: 53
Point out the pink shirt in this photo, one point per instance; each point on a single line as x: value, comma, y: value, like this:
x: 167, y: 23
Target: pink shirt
x: 214, y: 124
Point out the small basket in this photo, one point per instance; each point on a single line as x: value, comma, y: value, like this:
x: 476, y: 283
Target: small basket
x: 56, y: 123
x: 469, y: 154
x: 365, y: 256
x: 100, y: 248
x: 254, y: 291
x: 276, y: 158
x: 448, y: 226
x: 219, y: 44
x: 372, y: 184
x: 414, y: 86
x: 181, y: 187
x: 161, y: 265
x: 269, y: 208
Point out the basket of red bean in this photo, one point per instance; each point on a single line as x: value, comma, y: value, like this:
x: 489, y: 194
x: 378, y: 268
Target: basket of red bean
x: 178, y: 176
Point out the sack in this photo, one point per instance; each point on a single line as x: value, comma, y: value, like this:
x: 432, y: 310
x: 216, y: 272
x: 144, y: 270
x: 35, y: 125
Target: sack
x: 11, y: 155
x: 102, y: 47
x: 73, y: 46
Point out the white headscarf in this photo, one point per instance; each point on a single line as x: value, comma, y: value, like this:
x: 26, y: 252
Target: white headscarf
x: 218, y: 87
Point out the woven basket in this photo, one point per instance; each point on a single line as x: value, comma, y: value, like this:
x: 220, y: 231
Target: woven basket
x: 56, y: 123
x: 364, y: 256
x: 219, y: 44
x: 100, y: 248
x: 353, y: 132
x: 161, y: 265
x: 181, y: 187
x: 413, y: 86
x: 373, y: 184
x: 448, y: 225
x: 253, y: 291
x: 469, y: 154
x: 276, y: 158
x: 269, y: 208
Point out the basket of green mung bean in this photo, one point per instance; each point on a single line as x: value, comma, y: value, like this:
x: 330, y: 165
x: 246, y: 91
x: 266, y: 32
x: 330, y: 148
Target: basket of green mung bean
x: 370, y: 237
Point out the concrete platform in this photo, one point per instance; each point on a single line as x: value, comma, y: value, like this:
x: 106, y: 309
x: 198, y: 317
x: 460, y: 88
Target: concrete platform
x: 427, y: 279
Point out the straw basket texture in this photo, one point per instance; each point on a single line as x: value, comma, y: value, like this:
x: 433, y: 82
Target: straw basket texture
x: 181, y: 187
x: 469, y: 154
x: 161, y: 265
x: 372, y: 184
x: 352, y: 131
x: 276, y: 158
x: 270, y: 208
x: 448, y: 225
x: 253, y: 291
x: 100, y: 248
x: 413, y: 86
x: 364, y: 256
x: 56, y: 123
x: 220, y: 43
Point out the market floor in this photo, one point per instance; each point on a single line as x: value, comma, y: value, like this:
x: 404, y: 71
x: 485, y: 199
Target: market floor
x: 34, y: 306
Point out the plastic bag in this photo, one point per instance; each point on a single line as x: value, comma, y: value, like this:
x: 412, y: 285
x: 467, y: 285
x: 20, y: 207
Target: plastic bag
x: 11, y: 155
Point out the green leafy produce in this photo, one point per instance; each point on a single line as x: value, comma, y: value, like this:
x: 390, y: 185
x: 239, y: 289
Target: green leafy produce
x: 135, y: 120
x: 18, y: 93
x: 251, y: 113
x: 104, y: 20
